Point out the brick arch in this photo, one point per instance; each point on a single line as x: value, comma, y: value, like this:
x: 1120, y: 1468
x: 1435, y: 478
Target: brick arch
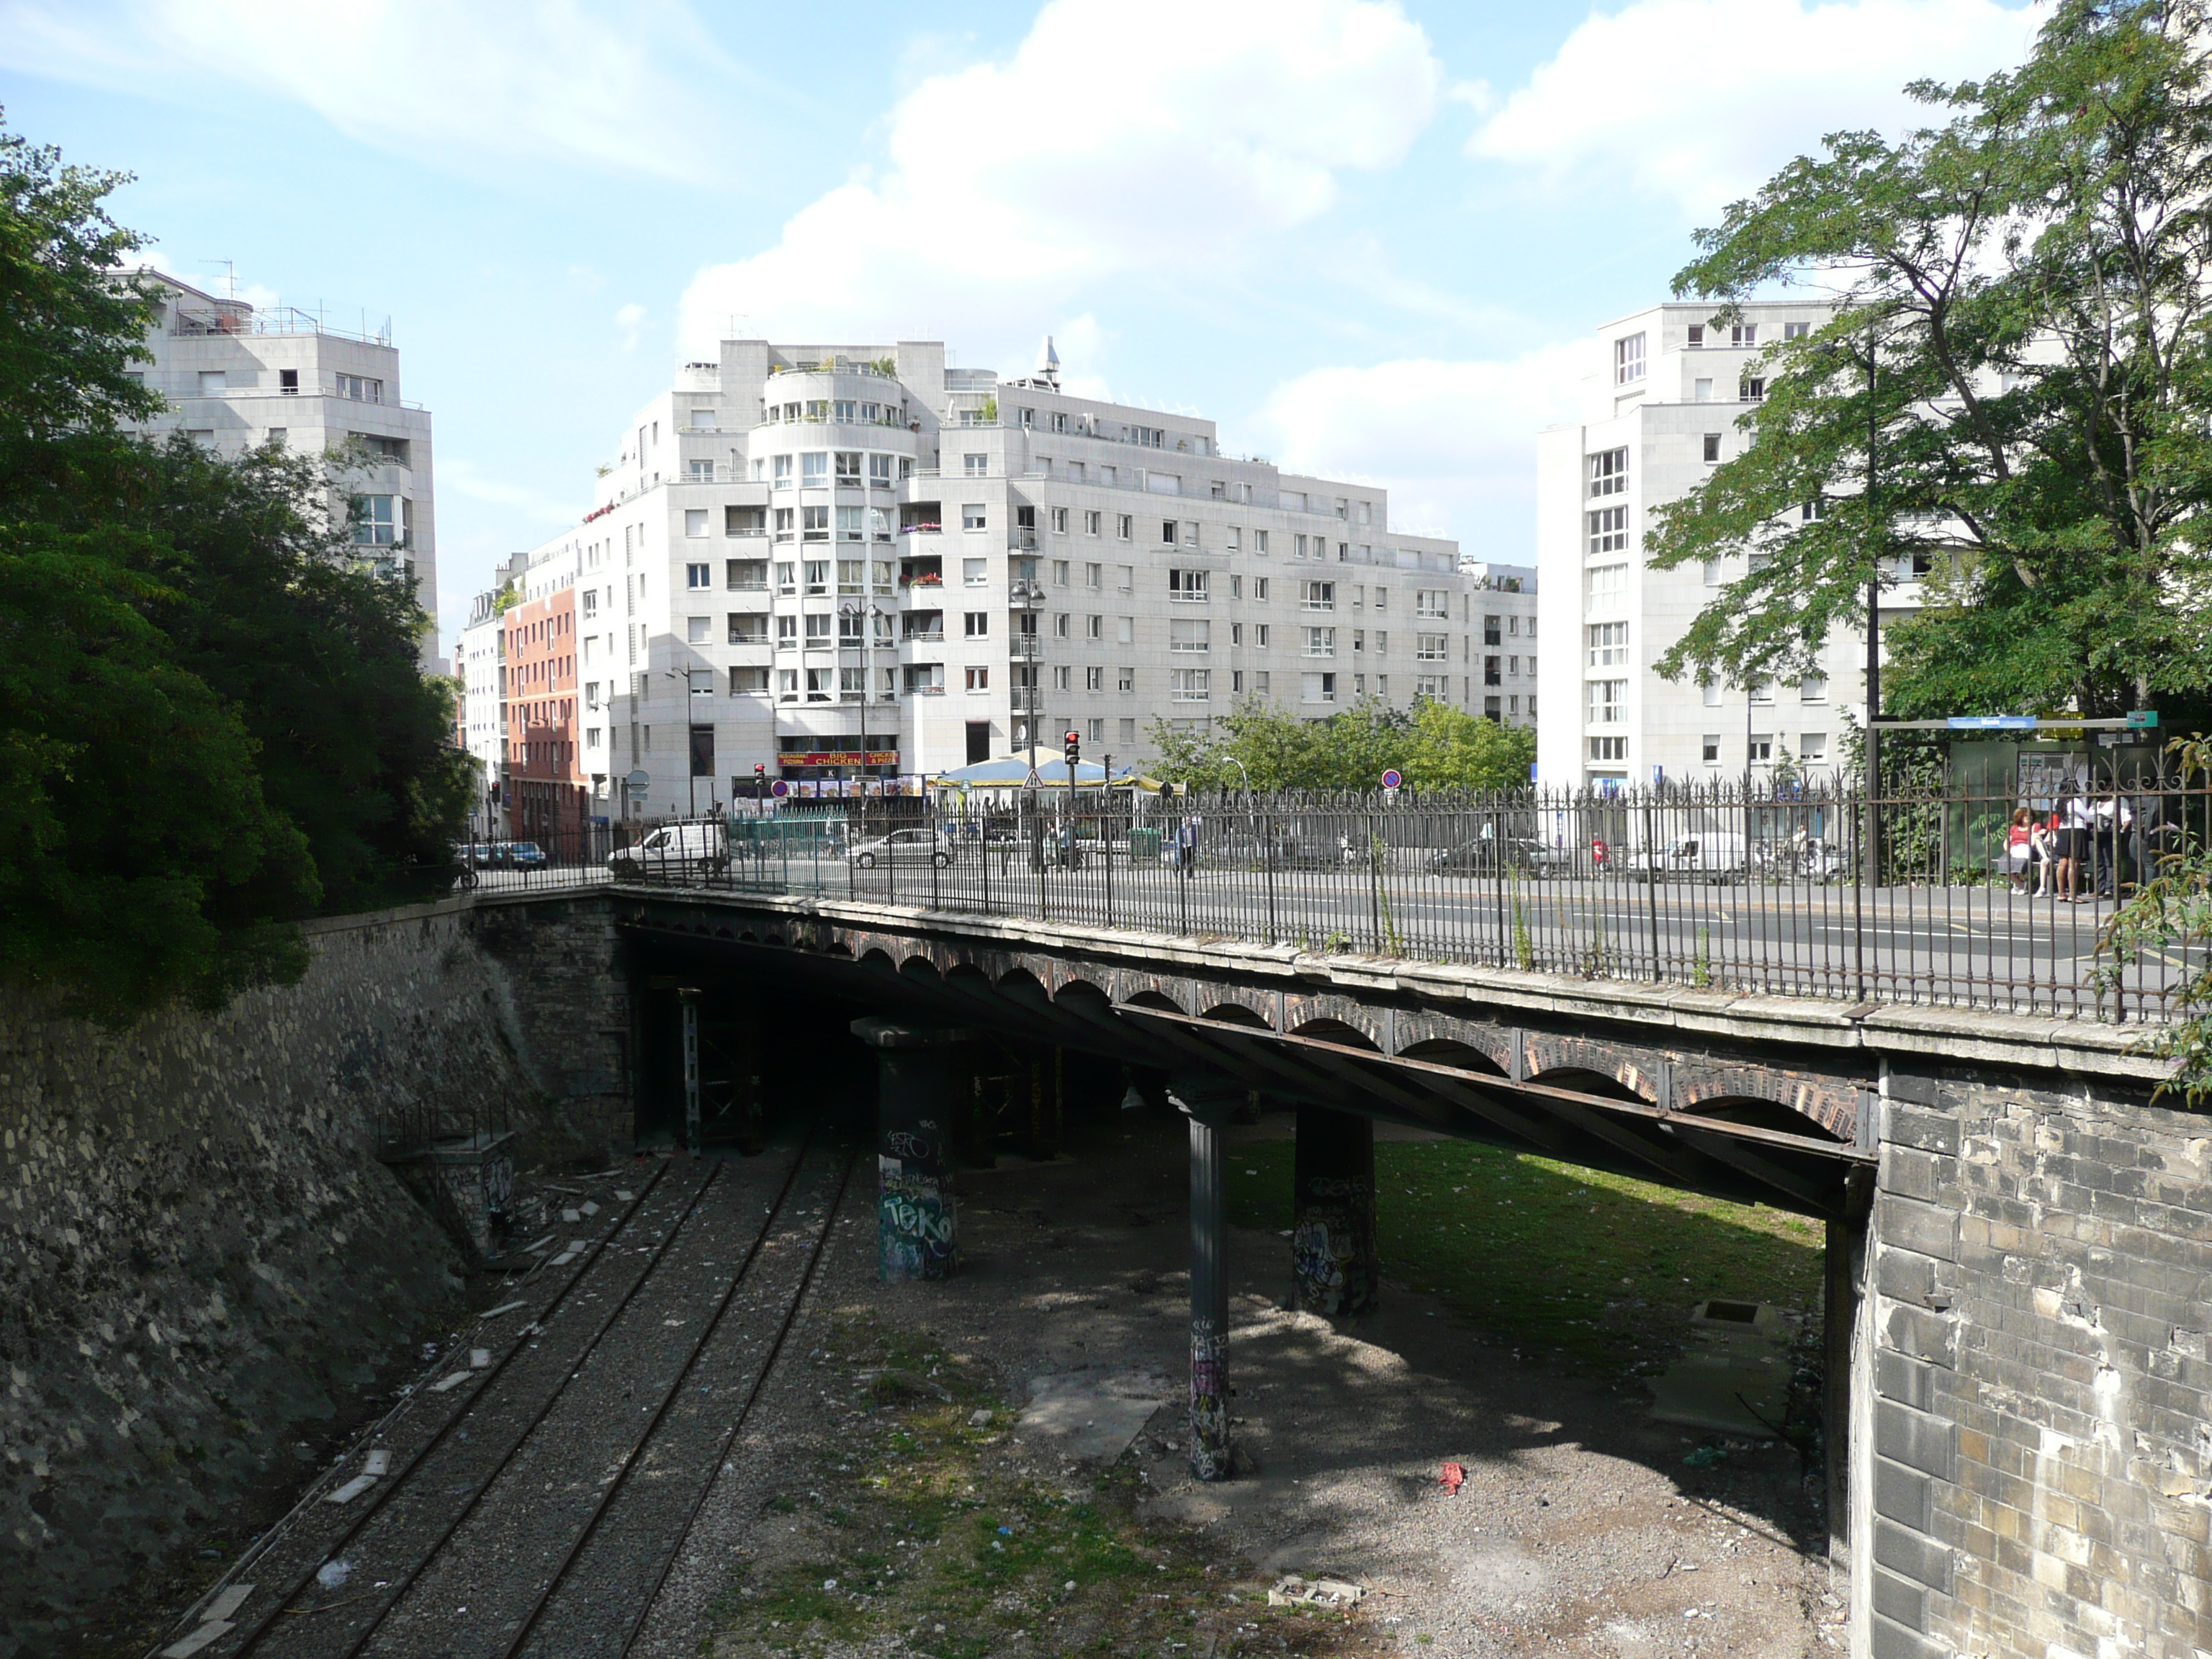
x: 1456, y: 1051
x: 1343, y: 1033
x: 1552, y: 1059
x: 1151, y: 998
x: 1714, y: 1089
x: 1235, y: 1013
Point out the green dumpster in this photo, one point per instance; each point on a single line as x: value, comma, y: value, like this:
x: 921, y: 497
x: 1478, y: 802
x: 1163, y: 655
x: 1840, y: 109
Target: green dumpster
x: 1144, y: 844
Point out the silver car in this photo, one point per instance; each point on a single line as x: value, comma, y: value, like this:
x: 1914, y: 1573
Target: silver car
x: 903, y: 846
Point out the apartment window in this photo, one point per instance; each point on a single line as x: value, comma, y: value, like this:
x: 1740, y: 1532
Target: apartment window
x: 1320, y: 596
x: 1260, y: 589
x: 848, y: 461
x: 1813, y: 688
x: 1128, y: 730
x: 1260, y: 683
x: 879, y: 471
x: 1796, y: 331
x: 1059, y: 625
x: 1125, y: 526
x: 288, y: 381
x: 972, y: 516
x: 1712, y: 572
x: 376, y: 521
x: 1125, y: 630
x: 814, y: 469
x: 1236, y: 588
x: 975, y: 625
x: 1697, y: 335
x: 1608, y: 473
x: 360, y: 391
x: 821, y: 684
x: 1188, y: 586
x: 1168, y: 538
x: 1608, y: 587
x: 1190, y: 685
x: 1318, y: 688
x: 1711, y: 689
x: 1094, y: 679
x: 814, y: 524
x: 975, y: 573
x: 1260, y: 635
x: 1125, y: 679
x: 1321, y: 641
x: 698, y: 576
x: 818, y: 632
x: 591, y: 609
x: 1094, y: 628
x: 1436, y: 687
x: 1752, y: 390
x: 1094, y: 577
x: 1432, y: 647
x: 1744, y: 336
x: 1187, y: 634
x: 979, y: 679
x: 1811, y: 511
x: 974, y: 466
x: 1712, y: 448
x: 1762, y: 691
x: 1260, y: 542
x: 1432, y: 602
x: 1628, y: 359
x: 817, y: 575
x: 1614, y: 750
x: 850, y: 523
x: 1608, y: 701
x: 1092, y: 522
x: 1608, y: 529
x: 1491, y: 673
x: 1701, y: 390
x: 1493, y: 631
x: 1608, y: 644
x: 786, y: 684
x: 1059, y: 521
x: 698, y: 630
x: 744, y: 522
x: 1061, y: 673
x: 746, y: 627
x: 1710, y: 747
x: 1761, y: 749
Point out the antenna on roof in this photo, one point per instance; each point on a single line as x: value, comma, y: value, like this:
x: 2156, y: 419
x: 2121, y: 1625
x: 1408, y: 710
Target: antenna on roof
x: 1048, y: 364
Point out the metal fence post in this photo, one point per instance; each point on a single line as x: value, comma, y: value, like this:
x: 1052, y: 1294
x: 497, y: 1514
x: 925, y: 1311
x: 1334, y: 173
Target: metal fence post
x: 1651, y: 888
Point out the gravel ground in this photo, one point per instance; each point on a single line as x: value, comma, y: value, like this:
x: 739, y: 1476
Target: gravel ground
x: 1580, y: 1530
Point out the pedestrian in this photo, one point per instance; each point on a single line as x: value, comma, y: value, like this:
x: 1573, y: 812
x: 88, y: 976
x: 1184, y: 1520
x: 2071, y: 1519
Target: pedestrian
x: 2020, y: 849
x: 2073, y: 819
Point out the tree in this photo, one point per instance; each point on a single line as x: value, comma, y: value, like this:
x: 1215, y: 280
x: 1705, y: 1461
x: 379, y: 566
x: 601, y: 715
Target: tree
x: 2012, y: 394
x: 1434, y: 745
x: 211, y: 722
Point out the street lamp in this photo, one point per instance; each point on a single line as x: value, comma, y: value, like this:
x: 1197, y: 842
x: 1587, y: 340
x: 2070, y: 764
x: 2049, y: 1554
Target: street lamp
x: 690, y: 782
x: 1239, y: 765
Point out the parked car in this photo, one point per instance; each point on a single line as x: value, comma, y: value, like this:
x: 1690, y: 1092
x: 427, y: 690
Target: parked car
x: 520, y: 854
x: 903, y: 846
x: 675, y: 850
x: 1481, y: 856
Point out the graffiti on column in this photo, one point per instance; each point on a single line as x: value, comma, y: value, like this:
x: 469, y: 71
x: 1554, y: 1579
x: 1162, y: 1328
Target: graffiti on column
x: 916, y: 1222
x: 1333, y: 1248
x: 1209, y: 1402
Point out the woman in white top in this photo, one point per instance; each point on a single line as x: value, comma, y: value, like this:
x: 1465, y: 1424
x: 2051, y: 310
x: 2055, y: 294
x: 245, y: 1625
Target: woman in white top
x: 2077, y: 824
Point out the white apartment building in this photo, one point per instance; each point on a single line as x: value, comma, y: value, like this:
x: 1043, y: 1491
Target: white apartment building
x: 1660, y: 409
x: 833, y: 561
x: 480, y: 665
x: 235, y: 376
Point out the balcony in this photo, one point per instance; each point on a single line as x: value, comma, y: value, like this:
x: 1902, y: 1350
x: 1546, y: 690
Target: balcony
x: 1022, y: 541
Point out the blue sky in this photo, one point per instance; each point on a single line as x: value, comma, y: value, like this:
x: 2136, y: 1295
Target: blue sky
x: 1363, y: 236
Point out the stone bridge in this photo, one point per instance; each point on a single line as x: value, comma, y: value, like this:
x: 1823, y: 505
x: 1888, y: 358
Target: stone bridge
x: 2018, y: 1230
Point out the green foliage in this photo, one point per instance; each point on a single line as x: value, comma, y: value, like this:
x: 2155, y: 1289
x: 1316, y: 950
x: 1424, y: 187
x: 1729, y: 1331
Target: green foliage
x: 211, y: 724
x: 2014, y: 388
x: 2168, y: 923
x: 1435, y: 746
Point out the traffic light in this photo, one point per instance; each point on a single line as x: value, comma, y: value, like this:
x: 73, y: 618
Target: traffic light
x: 760, y: 781
x: 1071, y: 747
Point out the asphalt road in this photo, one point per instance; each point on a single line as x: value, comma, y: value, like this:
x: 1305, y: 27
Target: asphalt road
x: 1974, y: 947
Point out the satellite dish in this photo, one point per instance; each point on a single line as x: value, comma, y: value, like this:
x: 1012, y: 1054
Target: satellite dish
x: 640, y: 779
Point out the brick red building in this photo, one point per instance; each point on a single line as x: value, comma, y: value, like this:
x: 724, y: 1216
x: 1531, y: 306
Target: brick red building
x: 548, y: 797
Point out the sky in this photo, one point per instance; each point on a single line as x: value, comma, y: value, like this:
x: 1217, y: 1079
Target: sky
x: 1367, y: 238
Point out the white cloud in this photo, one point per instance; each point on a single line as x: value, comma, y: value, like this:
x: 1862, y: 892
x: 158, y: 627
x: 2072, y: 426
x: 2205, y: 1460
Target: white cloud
x: 1093, y: 153
x: 1453, y: 441
x: 1702, y: 100
x: 460, y: 477
x: 629, y: 321
x: 490, y: 81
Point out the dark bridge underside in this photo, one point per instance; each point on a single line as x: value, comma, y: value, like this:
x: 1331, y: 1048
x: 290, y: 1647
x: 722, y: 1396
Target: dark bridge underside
x: 1719, y: 1126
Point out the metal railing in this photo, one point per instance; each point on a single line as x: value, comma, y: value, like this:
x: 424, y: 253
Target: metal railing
x: 1739, y: 889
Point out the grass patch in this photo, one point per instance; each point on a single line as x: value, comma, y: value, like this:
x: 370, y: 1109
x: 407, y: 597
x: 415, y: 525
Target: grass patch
x: 1594, y: 1270
x: 916, y: 1523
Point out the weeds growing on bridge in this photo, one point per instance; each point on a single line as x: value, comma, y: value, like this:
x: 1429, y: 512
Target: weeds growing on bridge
x: 1593, y: 1270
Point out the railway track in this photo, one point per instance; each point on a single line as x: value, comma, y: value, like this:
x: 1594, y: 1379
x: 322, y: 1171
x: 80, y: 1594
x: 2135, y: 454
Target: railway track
x: 535, y: 1506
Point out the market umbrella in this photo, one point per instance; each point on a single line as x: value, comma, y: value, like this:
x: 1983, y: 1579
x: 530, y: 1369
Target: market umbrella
x: 1012, y: 771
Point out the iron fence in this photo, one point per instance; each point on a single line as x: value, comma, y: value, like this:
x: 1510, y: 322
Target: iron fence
x: 1963, y: 900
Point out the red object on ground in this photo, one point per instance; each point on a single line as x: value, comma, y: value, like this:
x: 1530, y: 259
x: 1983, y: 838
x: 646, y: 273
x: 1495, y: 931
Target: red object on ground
x: 1599, y: 851
x: 1454, y: 1475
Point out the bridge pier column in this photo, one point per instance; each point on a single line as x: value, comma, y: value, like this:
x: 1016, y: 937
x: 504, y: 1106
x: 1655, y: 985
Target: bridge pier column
x: 1210, y: 1104
x: 1334, y: 1260
x: 918, y: 1084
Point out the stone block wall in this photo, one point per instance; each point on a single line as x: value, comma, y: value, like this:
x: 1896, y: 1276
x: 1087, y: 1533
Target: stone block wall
x: 200, y: 1256
x: 2040, y: 1296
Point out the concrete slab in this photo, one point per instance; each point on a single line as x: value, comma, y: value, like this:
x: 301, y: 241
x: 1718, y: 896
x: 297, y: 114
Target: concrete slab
x: 1091, y: 1416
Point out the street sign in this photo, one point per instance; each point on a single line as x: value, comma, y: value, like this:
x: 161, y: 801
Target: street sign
x: 640, y: 779
x: 2140, y: 720
x: 1391, y: 780
x: 1033, y: 781
x: 779, y: 788
x: 1992, y: 722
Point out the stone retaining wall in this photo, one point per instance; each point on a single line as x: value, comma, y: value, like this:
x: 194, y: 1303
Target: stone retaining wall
x: 2041, y: 1457
x: 200, y: 1256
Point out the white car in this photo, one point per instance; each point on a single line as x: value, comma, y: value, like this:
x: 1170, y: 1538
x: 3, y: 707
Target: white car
x: 903, y: 846
x: 1716, y: 856
x: 675, y: 849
